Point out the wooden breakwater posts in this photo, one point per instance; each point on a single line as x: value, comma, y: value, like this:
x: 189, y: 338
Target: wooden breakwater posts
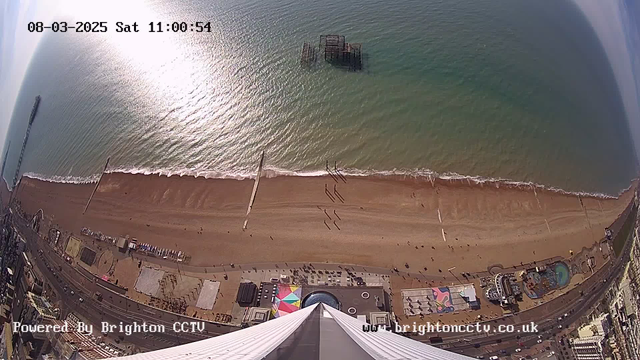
x: 337, y: 174
x: 96, y: 188
x: 337, y: 52
x: 255, y: 190
x: 32, y: 117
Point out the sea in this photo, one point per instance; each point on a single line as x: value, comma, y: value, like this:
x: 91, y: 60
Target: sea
x: 487, y: 90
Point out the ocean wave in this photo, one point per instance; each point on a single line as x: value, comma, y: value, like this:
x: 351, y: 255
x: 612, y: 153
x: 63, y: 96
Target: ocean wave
x: 476, y: 180
x: 63, y: 179
x: 271, y: 172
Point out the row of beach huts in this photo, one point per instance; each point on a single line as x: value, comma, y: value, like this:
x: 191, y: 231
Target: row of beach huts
x: 132, y: 244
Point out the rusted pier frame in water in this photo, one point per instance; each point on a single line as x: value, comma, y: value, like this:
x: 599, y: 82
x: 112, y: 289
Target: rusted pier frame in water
x: 339, y: 53
x: 308, y: 56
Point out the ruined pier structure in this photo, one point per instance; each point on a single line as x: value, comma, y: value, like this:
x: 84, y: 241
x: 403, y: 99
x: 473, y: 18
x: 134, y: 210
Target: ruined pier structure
x: 337, y: 52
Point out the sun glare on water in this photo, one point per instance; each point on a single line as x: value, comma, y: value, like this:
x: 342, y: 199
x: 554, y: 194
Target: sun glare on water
x: 161, y: 58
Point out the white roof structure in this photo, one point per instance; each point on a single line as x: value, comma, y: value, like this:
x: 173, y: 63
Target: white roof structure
x: 208, y: 294
x: 316, y: 332
x: 148, y: 281
x: 469, y: 292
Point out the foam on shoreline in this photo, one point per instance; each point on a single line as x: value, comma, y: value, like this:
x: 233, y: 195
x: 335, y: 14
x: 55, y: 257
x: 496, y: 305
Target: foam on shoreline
x: 272, y: 172
x: 79, y: 180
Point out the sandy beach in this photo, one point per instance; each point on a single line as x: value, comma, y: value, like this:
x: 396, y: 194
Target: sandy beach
x: 384, y: 222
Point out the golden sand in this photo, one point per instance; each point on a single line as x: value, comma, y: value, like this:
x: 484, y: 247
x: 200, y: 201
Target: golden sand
x: 385, y: 222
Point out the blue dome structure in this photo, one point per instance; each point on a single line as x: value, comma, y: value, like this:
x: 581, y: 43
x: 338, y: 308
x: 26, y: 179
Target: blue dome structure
x: 321, y: 297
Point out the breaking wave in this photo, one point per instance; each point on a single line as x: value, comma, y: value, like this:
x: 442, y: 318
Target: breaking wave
x: 63, y: 179
x: 271, y: 172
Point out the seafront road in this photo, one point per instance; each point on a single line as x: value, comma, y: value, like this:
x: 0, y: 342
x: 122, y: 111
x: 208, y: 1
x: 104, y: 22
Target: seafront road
x: 114, y: 308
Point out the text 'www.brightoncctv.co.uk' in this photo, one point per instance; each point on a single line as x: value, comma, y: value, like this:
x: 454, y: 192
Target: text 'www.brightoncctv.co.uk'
x: 430, y: 328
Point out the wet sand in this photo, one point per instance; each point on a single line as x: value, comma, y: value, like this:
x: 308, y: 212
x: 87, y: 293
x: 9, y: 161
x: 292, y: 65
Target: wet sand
x: 383, y: 222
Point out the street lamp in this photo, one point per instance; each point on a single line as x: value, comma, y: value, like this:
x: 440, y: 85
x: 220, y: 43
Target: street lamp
x: 451, y: 272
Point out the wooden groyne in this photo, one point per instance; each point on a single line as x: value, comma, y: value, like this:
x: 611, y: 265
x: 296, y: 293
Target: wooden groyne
x: 32, y: 117
x: 255, y: 190
x: 96, y: 188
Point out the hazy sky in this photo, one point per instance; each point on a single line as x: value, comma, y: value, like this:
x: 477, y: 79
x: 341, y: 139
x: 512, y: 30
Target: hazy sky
x: 615, y: 22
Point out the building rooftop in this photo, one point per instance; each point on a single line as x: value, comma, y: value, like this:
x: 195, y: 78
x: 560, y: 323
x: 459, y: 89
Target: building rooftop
x: 438, y: 300
x: 380, y: 318
x: 6, y: 340
x: 72, y: 340
x: 360, y: 298
x: 43, y: 307
x: 598, y: 326
x: 588, y: 340
x: 256, y: 315
x: 316, y: 332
